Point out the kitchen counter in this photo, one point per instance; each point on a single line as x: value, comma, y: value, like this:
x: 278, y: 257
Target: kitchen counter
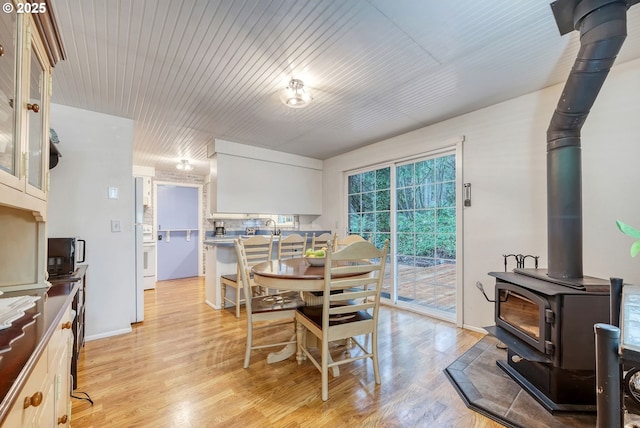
x: 227, y: 240
x: 22, y: 344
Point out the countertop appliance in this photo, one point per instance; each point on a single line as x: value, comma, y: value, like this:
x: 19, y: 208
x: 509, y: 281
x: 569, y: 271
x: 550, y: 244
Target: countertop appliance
x: 64, y: 254
x: 218, y: 226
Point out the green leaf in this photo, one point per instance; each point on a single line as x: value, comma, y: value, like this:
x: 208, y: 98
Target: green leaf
x: 628, y: 230
x: 635, y: 249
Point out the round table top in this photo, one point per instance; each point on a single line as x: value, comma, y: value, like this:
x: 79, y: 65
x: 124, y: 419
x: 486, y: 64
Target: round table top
x: 291, y: 274
x: 296, y: 268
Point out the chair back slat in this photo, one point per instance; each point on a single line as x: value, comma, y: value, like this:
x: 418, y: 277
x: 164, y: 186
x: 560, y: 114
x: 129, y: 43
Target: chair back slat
x: 321, y: 241
x: 292, y: 246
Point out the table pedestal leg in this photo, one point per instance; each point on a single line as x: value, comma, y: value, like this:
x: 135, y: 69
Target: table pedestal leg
x: 284, y: 353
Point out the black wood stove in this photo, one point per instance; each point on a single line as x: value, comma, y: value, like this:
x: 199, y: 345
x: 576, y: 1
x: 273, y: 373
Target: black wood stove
x: 548, y: 330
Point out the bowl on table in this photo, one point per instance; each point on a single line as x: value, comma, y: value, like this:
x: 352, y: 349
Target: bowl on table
x: 315, y: 261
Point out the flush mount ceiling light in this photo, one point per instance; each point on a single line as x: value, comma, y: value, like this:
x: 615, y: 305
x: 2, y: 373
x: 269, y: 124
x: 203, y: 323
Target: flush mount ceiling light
x: 296, y: 95
x: 184, y: 165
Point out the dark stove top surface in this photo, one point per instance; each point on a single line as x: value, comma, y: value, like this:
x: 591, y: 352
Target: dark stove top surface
x: 538, y: 280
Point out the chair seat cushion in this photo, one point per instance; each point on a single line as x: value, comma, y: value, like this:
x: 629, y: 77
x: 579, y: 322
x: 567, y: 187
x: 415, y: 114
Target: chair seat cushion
x: 314, y: 313
x: 276, y: 302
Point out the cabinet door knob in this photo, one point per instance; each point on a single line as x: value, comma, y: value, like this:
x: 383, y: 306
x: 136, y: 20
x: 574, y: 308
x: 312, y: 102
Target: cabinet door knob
x: 34, y: 400
x: 1, y: 50
x: 62, y: 419
x: 33, y: 107
x: 66, y: 325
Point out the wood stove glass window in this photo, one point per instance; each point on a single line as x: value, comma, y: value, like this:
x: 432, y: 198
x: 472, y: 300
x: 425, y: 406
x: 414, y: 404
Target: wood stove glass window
x: 520, y: 312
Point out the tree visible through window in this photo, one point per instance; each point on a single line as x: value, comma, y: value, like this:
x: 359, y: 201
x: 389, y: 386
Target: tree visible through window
x: 369, y: 200
x: 426, y: 232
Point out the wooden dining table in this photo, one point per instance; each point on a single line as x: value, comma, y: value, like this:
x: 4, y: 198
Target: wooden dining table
x: 294, y: 274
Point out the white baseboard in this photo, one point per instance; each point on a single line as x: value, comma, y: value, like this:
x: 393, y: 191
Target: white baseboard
x: 216, y: 307
x: 474, y: 328
x: 108, y: 334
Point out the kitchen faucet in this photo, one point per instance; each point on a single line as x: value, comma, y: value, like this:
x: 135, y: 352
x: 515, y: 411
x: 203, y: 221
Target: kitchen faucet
x: 275, y: 226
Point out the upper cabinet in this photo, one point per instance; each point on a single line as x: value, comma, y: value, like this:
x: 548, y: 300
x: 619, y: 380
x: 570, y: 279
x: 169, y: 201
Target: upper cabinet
x: 29, y: 48
x: 246, y: 179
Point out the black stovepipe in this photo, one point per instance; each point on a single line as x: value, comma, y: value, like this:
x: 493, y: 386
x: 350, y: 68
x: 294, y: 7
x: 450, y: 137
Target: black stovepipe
x: 603, y: 28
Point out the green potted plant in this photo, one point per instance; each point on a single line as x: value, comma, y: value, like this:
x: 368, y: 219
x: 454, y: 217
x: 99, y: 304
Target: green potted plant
x: 632, y: 232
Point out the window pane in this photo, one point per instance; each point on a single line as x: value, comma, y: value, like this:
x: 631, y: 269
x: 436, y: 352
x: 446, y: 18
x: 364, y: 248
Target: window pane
x: 383, y: 200
x: 355, y: 223
x: 368, y: 201
x: 425, y: 172
x: 446, y: 168
x: 425, y: 221
x: 425, y: 196
x: 404, y: 198
x: 383, y: 178
x: 355, y: 203
x: 383, y: 223
x: 404, y: 176
x: 446, y: 194
x: 354, y: 183
x: 368, y: 181
x: 405, y: 221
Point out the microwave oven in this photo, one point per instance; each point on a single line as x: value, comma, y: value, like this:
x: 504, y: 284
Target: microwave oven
x: 64, y: 254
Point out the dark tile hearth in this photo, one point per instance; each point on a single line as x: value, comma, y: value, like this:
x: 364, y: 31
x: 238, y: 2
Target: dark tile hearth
x: 485, y: 388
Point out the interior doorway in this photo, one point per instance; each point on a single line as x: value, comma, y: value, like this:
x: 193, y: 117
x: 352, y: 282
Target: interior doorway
x: 179, y: 241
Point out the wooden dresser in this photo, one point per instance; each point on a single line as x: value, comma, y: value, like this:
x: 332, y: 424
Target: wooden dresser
x: 35, y: 361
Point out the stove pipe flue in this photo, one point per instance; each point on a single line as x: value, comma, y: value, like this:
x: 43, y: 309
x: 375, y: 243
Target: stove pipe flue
x: 603, y: 28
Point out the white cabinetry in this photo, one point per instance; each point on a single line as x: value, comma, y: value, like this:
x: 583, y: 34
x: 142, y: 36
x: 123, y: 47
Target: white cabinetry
x: 30, y: 47
x: 246, y: 179
x: 25, y: 72
x: 45, y: 398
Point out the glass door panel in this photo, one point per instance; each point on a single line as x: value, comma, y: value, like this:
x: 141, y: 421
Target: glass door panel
x: 9, y: 151
x: 36, y: 122
x: 426, y: 233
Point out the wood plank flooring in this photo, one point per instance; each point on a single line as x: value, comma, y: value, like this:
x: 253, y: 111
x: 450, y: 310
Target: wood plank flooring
x: 182, y: 367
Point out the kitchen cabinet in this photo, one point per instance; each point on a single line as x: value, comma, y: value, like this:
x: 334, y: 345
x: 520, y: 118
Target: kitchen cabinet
x: 29, y: 47
x: 243, y: 180
x: 25, y: 72
x: 44, y: 400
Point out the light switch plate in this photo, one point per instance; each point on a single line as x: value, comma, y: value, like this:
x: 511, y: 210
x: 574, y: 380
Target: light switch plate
x: 113, y: 193
x: 115, y: 226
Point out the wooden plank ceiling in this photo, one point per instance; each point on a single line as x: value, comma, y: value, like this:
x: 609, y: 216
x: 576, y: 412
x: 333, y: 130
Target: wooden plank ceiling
x: 190, y: 71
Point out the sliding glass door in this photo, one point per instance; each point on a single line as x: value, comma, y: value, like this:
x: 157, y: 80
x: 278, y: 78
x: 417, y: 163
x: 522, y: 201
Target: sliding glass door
x: 412, y: 203
x: 426, y: 233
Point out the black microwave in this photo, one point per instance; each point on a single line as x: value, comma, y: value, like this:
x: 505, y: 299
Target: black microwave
x: 64, y: 254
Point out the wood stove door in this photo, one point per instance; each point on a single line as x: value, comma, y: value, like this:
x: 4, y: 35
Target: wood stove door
x: 524, y: 314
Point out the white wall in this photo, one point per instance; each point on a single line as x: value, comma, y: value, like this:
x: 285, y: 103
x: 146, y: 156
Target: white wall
x: 505, y: 160
x: 97, y: 153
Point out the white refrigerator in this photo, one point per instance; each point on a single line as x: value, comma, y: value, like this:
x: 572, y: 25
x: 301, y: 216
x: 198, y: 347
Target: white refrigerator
x: 138, y: 300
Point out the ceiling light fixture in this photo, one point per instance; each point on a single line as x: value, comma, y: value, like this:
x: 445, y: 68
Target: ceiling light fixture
x: 296, y: 95
x: 184, y: 165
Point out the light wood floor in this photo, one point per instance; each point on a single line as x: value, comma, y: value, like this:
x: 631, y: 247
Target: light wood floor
x: 182, y: 367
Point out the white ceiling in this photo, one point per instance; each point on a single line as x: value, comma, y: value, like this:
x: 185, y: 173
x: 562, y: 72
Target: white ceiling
x: 190, y: 71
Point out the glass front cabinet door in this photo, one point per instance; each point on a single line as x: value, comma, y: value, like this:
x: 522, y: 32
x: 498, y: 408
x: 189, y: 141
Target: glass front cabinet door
x: 25, y: 79
x: 36, y: 101
x: 10, y: 152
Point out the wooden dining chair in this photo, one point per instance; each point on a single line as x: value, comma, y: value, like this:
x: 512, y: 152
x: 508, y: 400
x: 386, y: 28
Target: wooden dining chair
x: 291, y: 246
x: 339, y: 243
x: 258, y: 249
x: 274, y: 309
x: 357, y: 272
x: 320, y: 241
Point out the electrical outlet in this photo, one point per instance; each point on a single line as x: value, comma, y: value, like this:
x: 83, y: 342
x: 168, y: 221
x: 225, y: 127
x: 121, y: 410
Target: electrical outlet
x: 115, y: 226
